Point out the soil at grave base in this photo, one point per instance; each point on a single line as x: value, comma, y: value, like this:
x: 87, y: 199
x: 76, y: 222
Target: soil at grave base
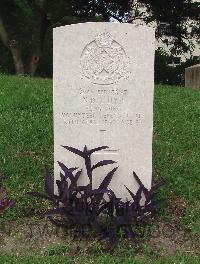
x: 36, y: 236
x: 169, y: 237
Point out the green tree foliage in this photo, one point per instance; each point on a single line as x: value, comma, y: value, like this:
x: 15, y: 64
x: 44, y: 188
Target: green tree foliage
x: 25, y: 25
x: 181, y: 19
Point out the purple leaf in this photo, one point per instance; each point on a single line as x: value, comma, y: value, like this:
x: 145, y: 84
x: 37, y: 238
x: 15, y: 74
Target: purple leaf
x: 65, y: 193
x: 112, y: 196
x: 5, y: 204
x: 145, y: 190
x: 130, y: 233
x: 59, y: 210
x: 105, y: 206
x: 67, y: 175
x: 74, y: 180
x: 103, y: 186
x: 40, y: 195
x: 131, y: 193
x: 150, y: 206
x: 75, y: 151
x: 62, y: 177
x: 3, y: 194
x: 85, y: 150
x: 88, y: 168
x: 67, y: 171
x: 121, y: 221
x: 110, y: 234
x: 77, y: 175
x: 138, y: 196
x: 57, y: 222
x: 156, y: 186
x: 103, y: 163
x: 151, y: 192
x: 60, y: 187
x: 96, y: 149
x: 83, y: 188
x: 49, y: 184
x: 97, y: 191
x: 107, y: 179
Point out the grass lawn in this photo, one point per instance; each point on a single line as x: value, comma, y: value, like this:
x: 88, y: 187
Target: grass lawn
x: 26, y: 148
x: 104, y: 259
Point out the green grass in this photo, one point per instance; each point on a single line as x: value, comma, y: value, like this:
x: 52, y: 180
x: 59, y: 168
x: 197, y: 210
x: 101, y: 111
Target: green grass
x: 26, y: 148
x: 177, y: 140
x: 26, y: 135
x: 103, y: 259
x: 177, y: 147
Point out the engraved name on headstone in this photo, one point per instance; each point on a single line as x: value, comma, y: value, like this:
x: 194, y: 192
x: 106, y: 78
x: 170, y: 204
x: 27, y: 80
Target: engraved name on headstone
x: 103, y: 95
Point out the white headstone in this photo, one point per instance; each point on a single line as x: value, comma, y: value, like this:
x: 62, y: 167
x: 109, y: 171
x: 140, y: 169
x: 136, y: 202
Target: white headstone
x: 103, y: 95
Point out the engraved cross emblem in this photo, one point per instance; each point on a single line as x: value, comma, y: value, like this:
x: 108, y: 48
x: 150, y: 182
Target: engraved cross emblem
x: 103, y: 142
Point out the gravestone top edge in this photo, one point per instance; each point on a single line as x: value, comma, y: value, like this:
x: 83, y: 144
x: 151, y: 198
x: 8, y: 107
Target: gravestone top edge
x: 193, y: 66
x: 105, y: 23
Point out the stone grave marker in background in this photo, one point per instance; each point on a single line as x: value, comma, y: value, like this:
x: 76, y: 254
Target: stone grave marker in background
x: 192, y: 77
x: 103, y: 95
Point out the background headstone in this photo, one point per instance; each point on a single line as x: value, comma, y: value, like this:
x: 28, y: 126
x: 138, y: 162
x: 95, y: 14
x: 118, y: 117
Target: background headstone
x: 103, y: 95
x: 192, y: 77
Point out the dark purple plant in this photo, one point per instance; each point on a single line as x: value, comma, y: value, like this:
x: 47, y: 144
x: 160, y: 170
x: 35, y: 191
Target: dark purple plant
x: 80, y: 206
x: 126, y: 215
x: 5, y: 202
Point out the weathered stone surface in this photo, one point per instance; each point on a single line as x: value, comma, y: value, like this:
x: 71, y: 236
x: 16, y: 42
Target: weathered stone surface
x: 192, y: 77
x: 103, y: 95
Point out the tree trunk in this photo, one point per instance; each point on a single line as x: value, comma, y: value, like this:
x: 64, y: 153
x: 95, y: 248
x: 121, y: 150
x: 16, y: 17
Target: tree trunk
x: 34, y: 61
x: 14, y: 48
x: 17, y: 58
x: 38, y: 40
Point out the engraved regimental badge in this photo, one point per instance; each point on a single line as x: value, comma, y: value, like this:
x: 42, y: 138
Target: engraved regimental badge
x: 104, y: 61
